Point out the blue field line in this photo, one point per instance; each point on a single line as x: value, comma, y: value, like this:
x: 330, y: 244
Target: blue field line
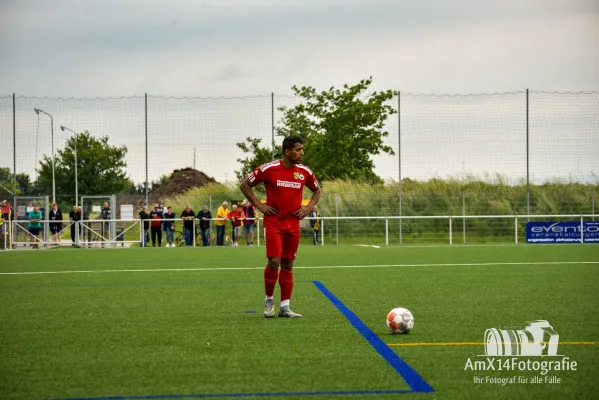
x: 80, y: 285
x: 266, y: 394
x: 415, y: 381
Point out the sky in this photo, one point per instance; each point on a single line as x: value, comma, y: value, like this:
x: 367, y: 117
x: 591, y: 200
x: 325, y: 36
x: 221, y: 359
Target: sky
x: 247, y: 49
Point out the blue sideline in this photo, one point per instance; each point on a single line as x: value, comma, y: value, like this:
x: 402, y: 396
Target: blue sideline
x: 415, y: 381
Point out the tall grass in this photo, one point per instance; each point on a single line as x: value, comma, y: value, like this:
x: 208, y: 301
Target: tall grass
x: 443, y: 197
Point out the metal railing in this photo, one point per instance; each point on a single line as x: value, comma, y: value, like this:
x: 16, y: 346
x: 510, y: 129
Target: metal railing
x: 93, y: 233
x: 451, y: 224
x: 338, y: 230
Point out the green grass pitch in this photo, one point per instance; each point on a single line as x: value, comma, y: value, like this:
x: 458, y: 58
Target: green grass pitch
x: 187, y: 322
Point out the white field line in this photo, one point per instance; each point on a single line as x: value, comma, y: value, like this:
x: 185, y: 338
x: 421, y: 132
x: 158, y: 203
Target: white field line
x: 393, y: 246
x: 306, y: 267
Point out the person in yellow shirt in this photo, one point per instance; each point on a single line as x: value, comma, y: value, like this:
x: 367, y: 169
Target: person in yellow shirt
x: 315, y: 224
x: 221, y: 214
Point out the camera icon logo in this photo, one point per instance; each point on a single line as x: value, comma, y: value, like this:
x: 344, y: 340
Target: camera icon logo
x: 538, y: 338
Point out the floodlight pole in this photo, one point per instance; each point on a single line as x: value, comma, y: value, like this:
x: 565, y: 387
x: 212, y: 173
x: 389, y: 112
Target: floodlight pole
x: 38, y: 111
x: 64, y: 128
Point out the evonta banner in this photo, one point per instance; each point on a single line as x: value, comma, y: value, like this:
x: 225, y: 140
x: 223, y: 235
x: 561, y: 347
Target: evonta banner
x: 562, y: 232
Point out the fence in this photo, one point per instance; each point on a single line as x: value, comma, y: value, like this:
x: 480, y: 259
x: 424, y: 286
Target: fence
x: 113, y: 233
x: 416, y: 203
x: 525, y: 136
x: 511, y: 143
x: 364, y: 231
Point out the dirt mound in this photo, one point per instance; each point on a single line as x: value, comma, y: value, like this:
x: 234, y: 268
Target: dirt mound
x: 180, y: 181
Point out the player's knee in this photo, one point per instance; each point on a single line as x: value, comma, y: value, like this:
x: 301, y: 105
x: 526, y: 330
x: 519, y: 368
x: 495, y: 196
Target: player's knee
x: 274, y: 262
x: 286, y: 264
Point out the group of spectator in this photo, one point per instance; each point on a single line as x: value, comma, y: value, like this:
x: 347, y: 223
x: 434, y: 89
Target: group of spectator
x: 35, y: 215
x: 158, y: 222
x: 161, y: 221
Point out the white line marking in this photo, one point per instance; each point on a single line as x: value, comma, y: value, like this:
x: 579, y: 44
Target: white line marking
x: 307, y: 267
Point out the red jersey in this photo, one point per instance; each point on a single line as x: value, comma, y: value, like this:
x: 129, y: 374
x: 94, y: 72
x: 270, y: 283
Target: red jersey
x: 284, y: 186
x: 238, y: 215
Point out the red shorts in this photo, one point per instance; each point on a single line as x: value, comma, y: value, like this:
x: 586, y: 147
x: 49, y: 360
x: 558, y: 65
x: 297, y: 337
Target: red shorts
x: 282, y: 237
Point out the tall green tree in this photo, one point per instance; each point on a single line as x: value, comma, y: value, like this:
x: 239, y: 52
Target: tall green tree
x: 342, y: 129
x: 6, y: 182
x: 258, y: 156
x: 100, y: 167
x: 24, y: 184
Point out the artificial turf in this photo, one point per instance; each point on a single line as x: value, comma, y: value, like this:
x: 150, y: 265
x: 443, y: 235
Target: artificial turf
x: 187, y: 322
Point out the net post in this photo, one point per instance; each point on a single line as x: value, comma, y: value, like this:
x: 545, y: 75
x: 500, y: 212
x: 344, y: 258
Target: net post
x: 47, y: 218
x: 386, y: 231
x: 516, y: 230
x: 14, y: 144
x: 450, y: 232
x: 400, y: 217
x: 593, y: 205
x: 194, y: 232
x: 336, y: 219
x: 258, y: 231
x: 146, y: 151
x: 527, y: 158
x: 112, y: 226
x: 463, y: 218
x: 272, y: 116
x: 10, y: 239
x: 581, y: 229
x: 399, y: 162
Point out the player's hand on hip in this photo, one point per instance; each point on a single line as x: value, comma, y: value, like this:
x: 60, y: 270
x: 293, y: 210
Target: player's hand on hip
x: 267, y: 210
x: 302, y: 212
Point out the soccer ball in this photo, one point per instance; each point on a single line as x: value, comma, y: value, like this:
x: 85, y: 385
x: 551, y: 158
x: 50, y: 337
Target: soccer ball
x: 400, y: 320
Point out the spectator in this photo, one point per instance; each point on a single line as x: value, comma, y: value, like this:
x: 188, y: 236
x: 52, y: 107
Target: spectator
x: 249, y: 221
x: 55, y: 226
x: 8, y: 217
x: 106, y: 215
x: 205, y: 216
x: 35, y: 216
x: 169, y: 227
x: 315, y: 224
x: 188, y: 216
x: 164, y: 210
x: 236, y: 216
x: 222, y: 213
x: 5, y: 207
x: 144, y: 216
x: 156, y: 216
x: 75, y: 217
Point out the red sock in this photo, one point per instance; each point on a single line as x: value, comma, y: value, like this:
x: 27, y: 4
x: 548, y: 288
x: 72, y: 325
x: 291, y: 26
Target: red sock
x: 270, y: 280
x: 286, y: 283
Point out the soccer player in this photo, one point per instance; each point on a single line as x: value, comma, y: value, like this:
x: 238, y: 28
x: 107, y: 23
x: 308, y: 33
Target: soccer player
x: 284, y: 181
